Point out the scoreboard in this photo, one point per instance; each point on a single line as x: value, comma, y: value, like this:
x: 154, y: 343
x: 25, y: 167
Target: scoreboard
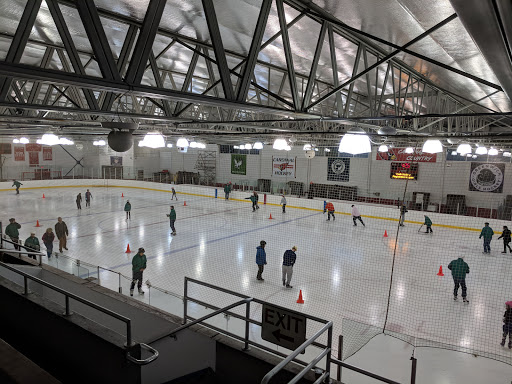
x: 404, y: 171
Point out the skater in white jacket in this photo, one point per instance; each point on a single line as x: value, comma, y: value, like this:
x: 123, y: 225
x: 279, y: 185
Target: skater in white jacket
x: 283, y: 203
x: 356, y: 216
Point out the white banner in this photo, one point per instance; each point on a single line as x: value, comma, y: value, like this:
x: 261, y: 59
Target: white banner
x: 283, y: 166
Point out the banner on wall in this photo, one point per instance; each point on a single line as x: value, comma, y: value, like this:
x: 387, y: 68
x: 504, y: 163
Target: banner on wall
x: 338, y: 169
x: 488, y: 177
x: 116, y: 161
x: 283, y: 166
x: 398, y: 154
x: 33, y: 158
x: 47, y: 154
x: 19, y: 153
x: 33, y: 147
x: 5, y: 149
x: 238, y: 164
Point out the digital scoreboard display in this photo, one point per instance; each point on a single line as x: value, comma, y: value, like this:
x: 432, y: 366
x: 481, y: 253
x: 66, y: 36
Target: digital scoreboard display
x: 404, y: 171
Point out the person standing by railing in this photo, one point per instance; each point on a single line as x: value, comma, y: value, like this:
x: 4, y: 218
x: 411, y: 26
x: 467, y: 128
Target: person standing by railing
x: 17, y: 184
x: 12, y: 231
x: 32, y: 244
x: 48, y: 238
x: 61, y: 230
x: 138, y: 267
x: 88, y: 197
x: 507, y: 325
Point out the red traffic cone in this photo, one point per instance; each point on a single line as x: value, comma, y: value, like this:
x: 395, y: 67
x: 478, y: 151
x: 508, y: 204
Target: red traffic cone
x: 184, y: 203
x: 440, y: 273
x: 270, y: 218
x: 385, y: 233
x: 122, y: 194
x: 37, y: 223
x: 43, y: 196
x: 128, y: 249
x: 301, y: 300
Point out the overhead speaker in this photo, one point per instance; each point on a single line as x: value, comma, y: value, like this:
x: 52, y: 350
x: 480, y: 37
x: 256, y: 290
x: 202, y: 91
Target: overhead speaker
x: 120, y: 139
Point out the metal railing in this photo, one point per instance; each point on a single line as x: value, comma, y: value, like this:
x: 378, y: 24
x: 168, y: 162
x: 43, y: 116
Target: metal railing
x: 68, y: 295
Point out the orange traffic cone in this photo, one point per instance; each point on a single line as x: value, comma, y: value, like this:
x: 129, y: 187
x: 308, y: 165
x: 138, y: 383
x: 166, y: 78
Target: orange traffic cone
x: 270, y: 218
x: 43, y: 195
x: 385, y: 233
x: 440, y: 273
x: 122, y: 194
x: 301, y: 300
x: 184, y: 203
x: 37, y: 224
x: 128, y: 249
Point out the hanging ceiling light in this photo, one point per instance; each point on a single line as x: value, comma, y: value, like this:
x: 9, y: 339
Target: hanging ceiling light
x: 409, y: 150
x: 307, y: 147
x: 24, y: 140
x: 100, y: 143
x: 454, y: 153
x: 50, y: 139
x: 16, y: 141
x: 248, y: 146
x: 64, y: 141
x: 182, y: 142
x: 432, y: 146
x: 169, y: 145
x: 258, y: 145
x: 281, y: 144
x: 481, y: 150
x: 327, y: 150
x: 236, y: 147
x: 383, y: 148
x: 152, y: 140
x: 507, y: 154
x: 474, y: 156
x: 493, y: 152
x: 464, y: 148
x: 355, y: 142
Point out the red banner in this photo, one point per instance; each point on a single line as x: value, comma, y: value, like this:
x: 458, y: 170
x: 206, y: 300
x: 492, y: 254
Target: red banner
x: 33, y: 147
x: 19, y: 153
x: 47, y: 154
x: 398, y: 154
x: 33, y: 158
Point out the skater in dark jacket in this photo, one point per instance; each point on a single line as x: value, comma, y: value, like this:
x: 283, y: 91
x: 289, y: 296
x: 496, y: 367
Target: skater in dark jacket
x: 428, y: 223
x: 127, y: 209
x: 18, y: 185
x: 459, y: 270
x: 79, y: 201
x: 88, y: 196
x: 174, y: 194
x: 172, y: 219
x: 403, y: 211
x: 254, y: 200
x: 48, y: 238
x: 261, y: 259
x: 227, y: 190
x: 487, y: 234
x: 507, y: 325
x: 506, y: 239
x: 12, y: 231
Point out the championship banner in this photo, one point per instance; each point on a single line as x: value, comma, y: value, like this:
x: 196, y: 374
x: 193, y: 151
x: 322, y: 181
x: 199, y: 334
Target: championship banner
x: 238, y: 164
x: 33, y: 147
x: 487, y: 177
x: 398, y: 154
x: 283, y: 166
x: 338, y: 169
x: 47, y: 154
x: 19, y: 153
x: 33, y: 158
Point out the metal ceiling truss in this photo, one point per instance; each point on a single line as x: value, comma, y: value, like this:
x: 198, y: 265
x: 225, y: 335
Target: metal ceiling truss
x: 388, y: 92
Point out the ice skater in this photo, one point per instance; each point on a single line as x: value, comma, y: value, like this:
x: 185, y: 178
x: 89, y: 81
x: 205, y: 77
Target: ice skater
x: 261, y: 259
x: 257, y: 199
x: 254, y: 200
x: 487, y: 234
x: 88, y: 197
x: 356, y: 215
x: 506, y: 239
x: 174, y: 195
x: 403, y: 211
x: 48, y: 238
x: 507, y: 325
x: 329, y: 208
x: 32, y: 244
x: 428, y: 223
x: 172, y: 219
x: 459, y: 270
x: 127, y: 209
x: 227, y: 190
x: 289, y: 259
x: 283, y: 203
x: 12, y: 231
x: 138, y: 267
x: 61, y: 230
x: 79, y: 201
x: 17, y: 184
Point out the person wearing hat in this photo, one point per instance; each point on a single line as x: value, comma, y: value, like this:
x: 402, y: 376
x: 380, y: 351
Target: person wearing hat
x: 138, y: 267
x: 32, y: 244
x: 261, y: 259
x: 12, y: 231
x: 289, y: 258
x: 487, y: 234
x: 48, y: 238
x: 459, y: 270
x: 283, y: 203
x: 227, y: 190
x: 507, y: 325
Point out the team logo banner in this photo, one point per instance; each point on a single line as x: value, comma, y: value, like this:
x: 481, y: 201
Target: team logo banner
x: 398, y: 154
x: 238, y: 164
x: 338, y: 169
x: 19, y: 153
x: 283, y: 166
x: 487, y: 177
x: 47, y: 153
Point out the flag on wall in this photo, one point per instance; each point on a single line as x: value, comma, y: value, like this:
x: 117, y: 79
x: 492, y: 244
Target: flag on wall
x: 283, y: 166
x: 19, y: 153
x: 338, y: 169
x: 487, y: 177
x: 238, y: 164
x: 47, y: 154
x: 33, y: 158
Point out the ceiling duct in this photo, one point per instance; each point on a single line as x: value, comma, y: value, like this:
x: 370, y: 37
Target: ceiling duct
x: 120, y: 139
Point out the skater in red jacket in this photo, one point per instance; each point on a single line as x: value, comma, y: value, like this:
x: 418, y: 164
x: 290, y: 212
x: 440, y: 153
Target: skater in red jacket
x: 329, y: 208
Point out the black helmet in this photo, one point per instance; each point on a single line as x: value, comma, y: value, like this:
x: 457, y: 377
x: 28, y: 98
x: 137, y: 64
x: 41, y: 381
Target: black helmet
x: 141, y: 250
x: 263, y: 242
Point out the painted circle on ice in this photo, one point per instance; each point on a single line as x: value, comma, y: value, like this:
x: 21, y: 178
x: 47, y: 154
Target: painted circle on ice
x: 486, y: 177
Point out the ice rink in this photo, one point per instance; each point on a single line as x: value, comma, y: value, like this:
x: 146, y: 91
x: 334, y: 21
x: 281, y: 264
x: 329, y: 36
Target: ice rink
x: 343, y: 270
